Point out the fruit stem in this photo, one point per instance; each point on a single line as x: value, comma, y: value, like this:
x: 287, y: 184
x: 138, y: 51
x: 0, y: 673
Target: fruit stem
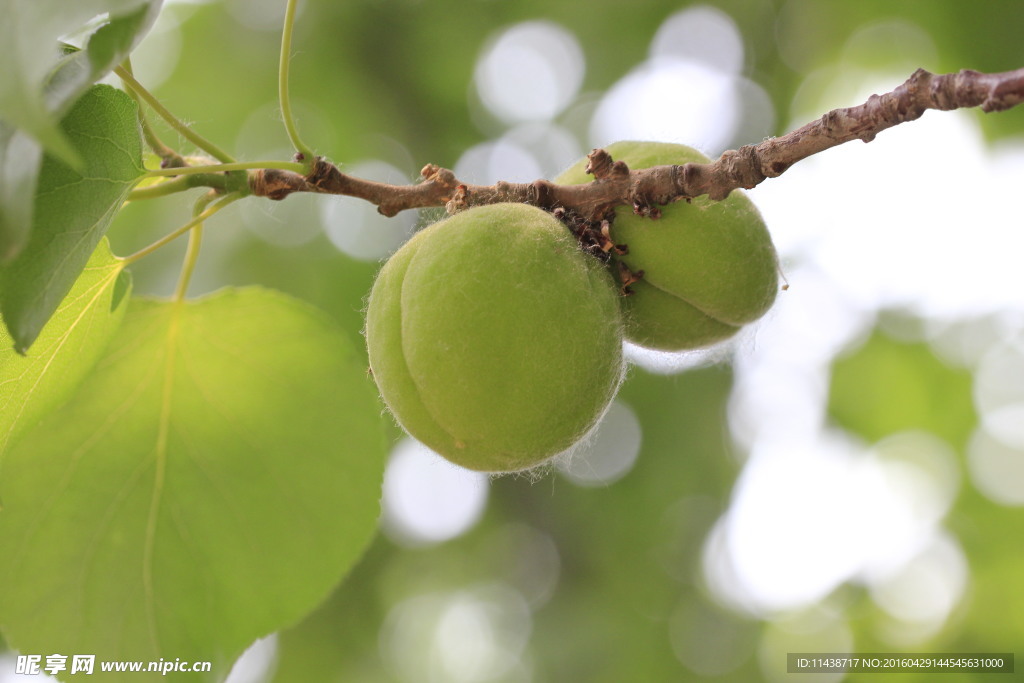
x: 303, y: 151
x: 161, y: 189
x: 198, y: 140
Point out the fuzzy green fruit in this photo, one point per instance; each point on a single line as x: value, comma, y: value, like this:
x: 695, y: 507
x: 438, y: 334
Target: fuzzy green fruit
x: 493, y: 339
x: 709, y: 267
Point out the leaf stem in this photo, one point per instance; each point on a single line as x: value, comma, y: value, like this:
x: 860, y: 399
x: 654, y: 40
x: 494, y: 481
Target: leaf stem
x: 232, y: 166
x: 198, y: 219
x: 224, y: 182
x: 303, y: 150
x: 175, y: 123
x: 162, y: 189
x: 169, y: 156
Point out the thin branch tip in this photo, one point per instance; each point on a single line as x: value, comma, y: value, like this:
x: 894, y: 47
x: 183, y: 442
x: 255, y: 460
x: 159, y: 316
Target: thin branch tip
x: 615, y: 184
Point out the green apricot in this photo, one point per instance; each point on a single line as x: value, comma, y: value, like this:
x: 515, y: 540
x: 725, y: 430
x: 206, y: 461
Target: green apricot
x: 493, y: 339
x: 709, y: 267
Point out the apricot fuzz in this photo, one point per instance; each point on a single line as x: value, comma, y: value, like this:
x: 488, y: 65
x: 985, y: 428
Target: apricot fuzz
x: 493, y: 339
x: 709, y: 267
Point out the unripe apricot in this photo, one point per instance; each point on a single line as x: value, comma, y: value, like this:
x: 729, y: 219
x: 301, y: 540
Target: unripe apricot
x: 493, y: 339
x: 709, y: 267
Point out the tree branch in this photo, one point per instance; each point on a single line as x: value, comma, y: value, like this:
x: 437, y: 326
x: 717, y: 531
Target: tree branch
x: 614, y: 184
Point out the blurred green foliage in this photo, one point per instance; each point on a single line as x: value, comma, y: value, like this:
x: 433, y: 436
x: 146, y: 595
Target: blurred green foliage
x: 887, y: 387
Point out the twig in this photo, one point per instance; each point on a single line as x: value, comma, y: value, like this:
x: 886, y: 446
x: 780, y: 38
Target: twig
x: 614, y: 184
x: 749, y: 165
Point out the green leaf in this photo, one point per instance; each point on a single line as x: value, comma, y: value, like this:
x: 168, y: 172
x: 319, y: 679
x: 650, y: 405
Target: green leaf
x: 29, y: 33
x: 215, y: 477
x: 328, y: 644
x: 887, y: 387
x: 68, y: 347
x: 72, y: 209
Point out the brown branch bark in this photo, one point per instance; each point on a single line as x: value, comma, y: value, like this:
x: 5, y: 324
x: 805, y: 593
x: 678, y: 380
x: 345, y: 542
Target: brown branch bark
x: 614, y: 184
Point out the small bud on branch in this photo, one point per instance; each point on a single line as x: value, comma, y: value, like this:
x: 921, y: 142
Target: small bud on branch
x: 644, y: 189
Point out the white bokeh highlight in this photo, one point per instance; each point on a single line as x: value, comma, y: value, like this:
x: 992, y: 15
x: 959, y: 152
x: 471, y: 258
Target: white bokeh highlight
x: 426, y: 499
x: 503, y: 159
x: 9, y: 668
x: 999, y: 391
x: 552, y: 147
x: 997, y: 468
x: 476, y: 634
x: 530, y: 72
x: 528, y: 561
x: 283, y: 224
x: 805, y: 520
x: 923, y: 593
x: 609, y: 453
x: 701, y: 34
x: 689, y: 90
x: 669, y: 100
x: 709, y: 641
x: 157, y: 55
x: 355, y: 226
x: 256, y: 663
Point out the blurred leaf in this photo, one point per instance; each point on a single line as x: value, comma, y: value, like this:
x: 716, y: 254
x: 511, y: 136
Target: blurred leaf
x: 886, y: 387
x: 72, y: 209
x: 212, y: 481
x: 30, y: 32
x: 66, y: 349
x: 337, y: 641
x: 107, y: 48
x: 20, y: 158
x: 20, y: 149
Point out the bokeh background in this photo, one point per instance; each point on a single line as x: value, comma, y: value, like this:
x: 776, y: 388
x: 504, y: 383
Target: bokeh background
x: 846, y: 476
